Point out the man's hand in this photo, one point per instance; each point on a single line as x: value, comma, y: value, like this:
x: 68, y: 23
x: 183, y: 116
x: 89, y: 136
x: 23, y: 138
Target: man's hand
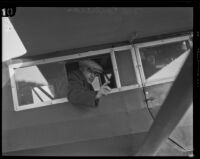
x: 104, y: 90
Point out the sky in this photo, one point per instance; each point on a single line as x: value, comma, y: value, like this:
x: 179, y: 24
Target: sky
x: 11, y: 42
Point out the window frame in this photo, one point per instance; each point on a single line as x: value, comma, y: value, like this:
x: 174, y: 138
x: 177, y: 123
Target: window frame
x: 136, y: 59
x: 111, y: 51
x: 155, y: 43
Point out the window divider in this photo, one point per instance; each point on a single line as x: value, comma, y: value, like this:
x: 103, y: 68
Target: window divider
x: 115, y: 69
x: 139, y: 65
x: 13, y: 88
x: 135, y: 64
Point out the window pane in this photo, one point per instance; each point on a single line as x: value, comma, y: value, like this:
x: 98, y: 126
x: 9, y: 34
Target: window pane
x: 36, y: 84
x: 125, y: 67
x: 163, y: 60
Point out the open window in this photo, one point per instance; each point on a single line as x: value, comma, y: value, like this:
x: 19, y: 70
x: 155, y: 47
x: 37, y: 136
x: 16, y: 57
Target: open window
x: 44, y: 82
x: 103, y: 60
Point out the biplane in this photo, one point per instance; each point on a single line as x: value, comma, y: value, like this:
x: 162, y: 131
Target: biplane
x: 141, y: 49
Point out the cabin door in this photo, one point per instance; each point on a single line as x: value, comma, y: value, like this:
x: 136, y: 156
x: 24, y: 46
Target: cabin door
x: 159, y: 63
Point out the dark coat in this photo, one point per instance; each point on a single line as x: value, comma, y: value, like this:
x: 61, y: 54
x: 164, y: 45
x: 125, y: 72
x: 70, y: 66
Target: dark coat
x: 79, y: 91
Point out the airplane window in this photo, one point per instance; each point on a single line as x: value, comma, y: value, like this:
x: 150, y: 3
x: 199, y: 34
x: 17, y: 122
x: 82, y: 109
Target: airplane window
x: 163, y: 60
x: 44, y: 84
x: 41, y: 83
x: 103, y: 60
x: 125, y: 67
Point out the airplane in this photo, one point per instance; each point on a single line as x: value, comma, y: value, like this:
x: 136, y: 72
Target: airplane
x: 142, y: 51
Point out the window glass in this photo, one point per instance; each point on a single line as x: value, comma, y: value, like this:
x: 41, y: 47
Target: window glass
x: 103, y: 60
x: 163, y: 60
x: 41, y: 83
x: 125, y: 67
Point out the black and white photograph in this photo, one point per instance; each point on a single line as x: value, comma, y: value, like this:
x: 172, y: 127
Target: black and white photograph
x: 97, y: 81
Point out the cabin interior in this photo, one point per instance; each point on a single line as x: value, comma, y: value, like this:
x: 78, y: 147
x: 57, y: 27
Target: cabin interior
x: 42, y: 45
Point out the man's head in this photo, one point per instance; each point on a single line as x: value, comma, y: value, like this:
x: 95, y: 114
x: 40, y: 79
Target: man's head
x: 151, y: 59
x: 90, y: 69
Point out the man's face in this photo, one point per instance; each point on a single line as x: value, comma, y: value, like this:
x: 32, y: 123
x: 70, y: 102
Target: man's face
x: 151, y: 59
x: 89, y: 75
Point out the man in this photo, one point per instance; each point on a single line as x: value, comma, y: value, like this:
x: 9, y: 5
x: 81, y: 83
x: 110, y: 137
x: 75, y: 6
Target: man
x: 149, y: 65
x: 80, y: 90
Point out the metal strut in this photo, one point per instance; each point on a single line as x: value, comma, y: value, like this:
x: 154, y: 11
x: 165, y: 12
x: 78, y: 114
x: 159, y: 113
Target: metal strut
x: 173, y: 109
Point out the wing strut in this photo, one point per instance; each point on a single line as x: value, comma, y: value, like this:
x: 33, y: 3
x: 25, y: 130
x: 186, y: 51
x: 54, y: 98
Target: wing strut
x: 173, y: 109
